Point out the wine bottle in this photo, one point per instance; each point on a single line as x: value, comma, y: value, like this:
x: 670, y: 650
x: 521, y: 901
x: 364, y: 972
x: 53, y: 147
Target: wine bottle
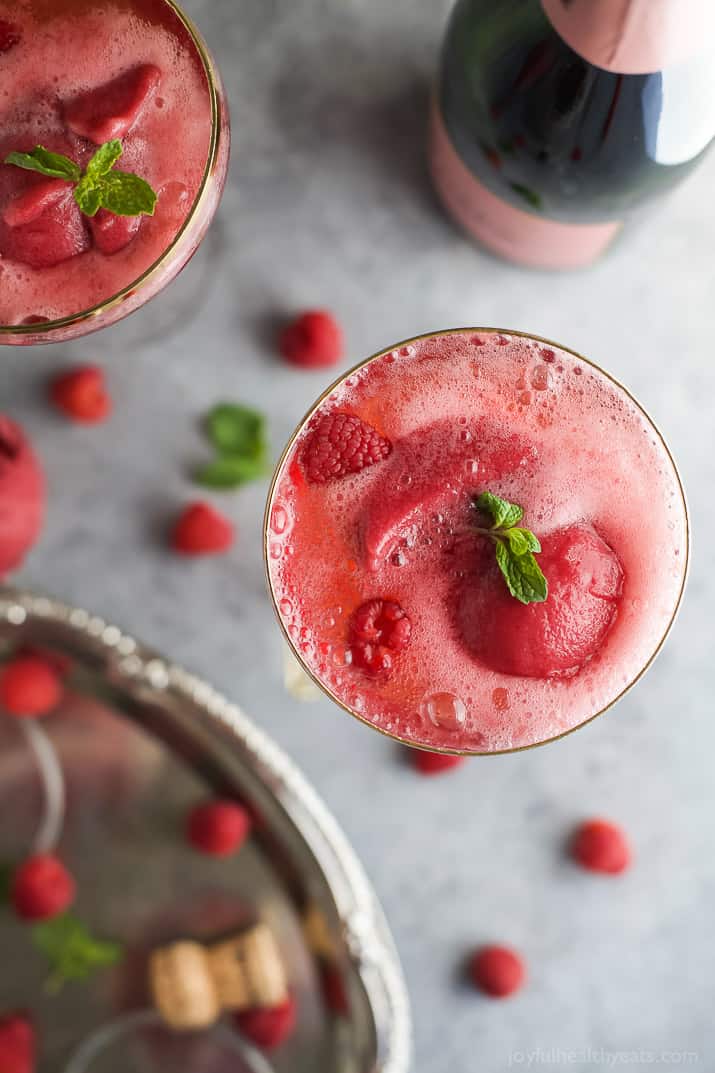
x: 553, y: 120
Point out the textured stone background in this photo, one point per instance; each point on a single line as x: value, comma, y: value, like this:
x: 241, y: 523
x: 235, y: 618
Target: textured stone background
x: 328, y: 203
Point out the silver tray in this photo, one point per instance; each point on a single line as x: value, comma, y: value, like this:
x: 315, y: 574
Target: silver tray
x: 139, y: 740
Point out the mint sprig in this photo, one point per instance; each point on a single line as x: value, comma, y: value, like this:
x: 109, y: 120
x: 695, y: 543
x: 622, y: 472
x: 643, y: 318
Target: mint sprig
x: 72, y: 952
x: 238, y: 435
x: 515, y: 548
x: 99, y: 186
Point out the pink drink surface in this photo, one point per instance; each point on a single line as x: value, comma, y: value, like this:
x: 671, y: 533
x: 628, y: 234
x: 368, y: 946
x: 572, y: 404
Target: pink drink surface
x: 147, y: 85
x: 534, y: 424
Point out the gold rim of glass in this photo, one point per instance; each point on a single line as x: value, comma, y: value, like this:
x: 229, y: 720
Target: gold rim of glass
x: 288, y: 448
x: 215, y: 94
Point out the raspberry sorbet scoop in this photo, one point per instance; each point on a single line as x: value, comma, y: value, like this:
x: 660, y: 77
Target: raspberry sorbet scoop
x: 22, y: 496
x: 555, y: 638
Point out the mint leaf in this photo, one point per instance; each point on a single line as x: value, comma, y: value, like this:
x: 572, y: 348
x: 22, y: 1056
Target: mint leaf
x: 87, y: 197
x: 521, y: 541
x: 126, y: 194
x: 238, y: 434
x: 504, y: 514
x: 105, y: 158
x: 230, y: 471
x: 522, y: 574
x: 235, y: 429
x: 530, y: 196
x: 99, y: 186
x: 515, y: 547
x: 42, y: 160
x: 71, y: 951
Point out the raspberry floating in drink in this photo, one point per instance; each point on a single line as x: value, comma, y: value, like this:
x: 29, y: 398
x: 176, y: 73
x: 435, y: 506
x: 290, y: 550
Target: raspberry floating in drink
x: 341, y: 444
x: 379, y: 631
x: 476, y: 572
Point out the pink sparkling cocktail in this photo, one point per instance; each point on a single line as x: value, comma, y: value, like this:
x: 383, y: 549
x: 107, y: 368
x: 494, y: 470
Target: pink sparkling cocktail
x: 390, y: 593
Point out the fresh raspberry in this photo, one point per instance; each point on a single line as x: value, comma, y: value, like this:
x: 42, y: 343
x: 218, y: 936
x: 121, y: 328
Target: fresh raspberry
x: 111, y: 233
x: 201, y: 530
x: 17, y: 1044
x: 81, y: 394
x: 332, y: 985
x: 22, y: 495
x: 340, y: 444
x: 42, y: 888
x: 268, y: 1026
x: 497, y: 971
x: 312, y: 341
x: 218, y: 828
x: 434, y: 763
x: 379, y: 630
x: 9, y: 37
x: 601, y: 846
x: 29, y: 686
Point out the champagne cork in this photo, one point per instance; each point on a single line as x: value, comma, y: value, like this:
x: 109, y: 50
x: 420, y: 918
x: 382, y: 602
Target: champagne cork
x: 248, y: 970
x: 182, y: 987
x: 317, y: 933
x: 192, y: 984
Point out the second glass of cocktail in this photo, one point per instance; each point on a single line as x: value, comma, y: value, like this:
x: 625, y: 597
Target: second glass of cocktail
x: 114, y: 143
x: 476, y: 541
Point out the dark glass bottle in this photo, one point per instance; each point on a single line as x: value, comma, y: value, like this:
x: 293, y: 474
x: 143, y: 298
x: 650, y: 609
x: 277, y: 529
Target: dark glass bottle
x: 554, y: 119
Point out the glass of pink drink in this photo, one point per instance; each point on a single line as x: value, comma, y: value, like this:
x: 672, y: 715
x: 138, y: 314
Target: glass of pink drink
x: 76, y: 74
x: 382, y: 567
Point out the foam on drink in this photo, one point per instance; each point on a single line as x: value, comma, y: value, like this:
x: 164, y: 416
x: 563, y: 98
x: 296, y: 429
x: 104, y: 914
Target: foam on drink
x: 465, y: 413
x: 71, y: 47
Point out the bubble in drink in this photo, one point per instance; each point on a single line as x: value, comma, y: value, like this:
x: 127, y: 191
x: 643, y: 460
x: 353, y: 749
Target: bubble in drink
x: 445, y: 710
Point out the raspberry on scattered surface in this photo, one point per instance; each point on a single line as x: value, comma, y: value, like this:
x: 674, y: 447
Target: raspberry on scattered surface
x: 81, y: 394
x: 42, y: 888
x: 268, y: 1026
x: 313, y: 340
x: 340, y: 444
x: 17, y: 1043
x: 218, y: 828
x: 29, y: 686
x: 601, y: 846
x: 200, y: 529
x: 498, y: 971
x: 434, y: 763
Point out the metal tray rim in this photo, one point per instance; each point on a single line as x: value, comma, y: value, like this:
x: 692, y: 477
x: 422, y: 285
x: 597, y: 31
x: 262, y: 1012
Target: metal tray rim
x: 137, y: 668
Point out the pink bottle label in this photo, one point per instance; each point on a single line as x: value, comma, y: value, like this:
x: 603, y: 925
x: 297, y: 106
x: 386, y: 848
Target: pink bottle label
x: 509, y: 231
x: 634, y: 36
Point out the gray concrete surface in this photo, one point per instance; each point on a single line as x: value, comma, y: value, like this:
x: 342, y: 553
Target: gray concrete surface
x: 328, y: 203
